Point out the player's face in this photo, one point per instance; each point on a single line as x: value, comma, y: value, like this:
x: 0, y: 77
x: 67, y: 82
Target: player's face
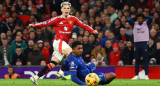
x: 65, y: 10
x: 140, y: 19
x: 78, y: 50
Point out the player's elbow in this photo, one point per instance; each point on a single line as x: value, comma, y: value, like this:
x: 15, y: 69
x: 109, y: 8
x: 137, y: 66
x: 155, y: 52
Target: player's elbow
x: 77, y: 81
x: 74, y: 79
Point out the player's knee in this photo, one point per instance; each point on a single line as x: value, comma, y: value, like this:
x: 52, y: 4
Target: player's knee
x: 53, y: 63
x: 96, y: 63
x: 68, y: 51
x: 113, y: 75
x: 67, y: 54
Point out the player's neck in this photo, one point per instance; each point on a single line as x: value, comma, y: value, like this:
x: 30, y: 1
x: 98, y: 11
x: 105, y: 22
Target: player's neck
x: 65, y: 16
x: 74, y: 54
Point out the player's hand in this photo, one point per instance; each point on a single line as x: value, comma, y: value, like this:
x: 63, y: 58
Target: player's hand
x: 95, y: 32
x: 31, y: 25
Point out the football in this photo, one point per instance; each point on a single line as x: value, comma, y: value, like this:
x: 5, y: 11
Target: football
x: 92, y: 79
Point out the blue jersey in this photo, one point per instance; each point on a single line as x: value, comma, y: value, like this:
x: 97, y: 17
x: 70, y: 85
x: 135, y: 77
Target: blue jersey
x: 79, y: 70
x: 77, y: 64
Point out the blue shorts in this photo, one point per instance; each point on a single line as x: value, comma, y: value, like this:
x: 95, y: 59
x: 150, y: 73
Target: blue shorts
x: 102, y: 78
x: 91, y: 66
x: 66, y: 73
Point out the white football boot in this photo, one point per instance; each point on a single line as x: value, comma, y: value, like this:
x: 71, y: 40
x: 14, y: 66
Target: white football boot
x: 60, y: 74
x: 135, y: 78
x: 146, y: 77
x: 34, y: 79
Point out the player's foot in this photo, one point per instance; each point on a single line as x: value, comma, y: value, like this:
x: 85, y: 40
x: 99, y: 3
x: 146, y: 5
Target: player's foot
x: 34, y: 79
x: 135, y: 77
x: 60, y: 74
x: 146, y: 77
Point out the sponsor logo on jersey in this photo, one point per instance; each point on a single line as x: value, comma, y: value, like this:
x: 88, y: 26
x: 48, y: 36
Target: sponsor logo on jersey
x: 61, y: 23
x: 65, y: 28
x: 64, y: 32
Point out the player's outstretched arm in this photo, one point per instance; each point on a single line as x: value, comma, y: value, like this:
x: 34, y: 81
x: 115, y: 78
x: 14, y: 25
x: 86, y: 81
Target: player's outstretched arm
x: 95, y: 32
x: 31, y: 25
x: 131, y: 22
x: 73, y: 70
x: 75, y: 79
x: 86, y: 27
x: 51, y: 21
x: 149, y: 19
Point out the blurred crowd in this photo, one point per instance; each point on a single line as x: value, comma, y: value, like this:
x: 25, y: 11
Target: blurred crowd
x: 24, y: 45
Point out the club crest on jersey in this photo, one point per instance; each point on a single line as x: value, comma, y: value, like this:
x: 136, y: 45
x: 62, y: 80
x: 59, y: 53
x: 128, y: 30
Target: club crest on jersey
x: 117, y: 54
x: 70, y: 22
x: 72, y: 64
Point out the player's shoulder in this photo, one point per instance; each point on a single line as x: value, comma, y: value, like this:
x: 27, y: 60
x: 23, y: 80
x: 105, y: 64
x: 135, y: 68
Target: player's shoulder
x: 57, y: 17
x: 73, y: 17
x: 70, y: 57
x: 73, y: 58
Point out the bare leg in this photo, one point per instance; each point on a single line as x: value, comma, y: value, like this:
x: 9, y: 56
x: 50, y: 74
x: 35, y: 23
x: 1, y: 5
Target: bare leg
x: 55, y: 60
x: 60, y: 74
x: 49, y: 66
x: 46, y: 69
x: 67, y: 51
x: 109, y: 77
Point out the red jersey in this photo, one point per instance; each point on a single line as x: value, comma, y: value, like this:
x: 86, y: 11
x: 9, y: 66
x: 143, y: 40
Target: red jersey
x: 114, y: 57
x: 64, y: 26
x: 46, y: 53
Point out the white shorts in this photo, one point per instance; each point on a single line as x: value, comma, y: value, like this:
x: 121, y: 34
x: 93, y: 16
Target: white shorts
x: 59, y: 45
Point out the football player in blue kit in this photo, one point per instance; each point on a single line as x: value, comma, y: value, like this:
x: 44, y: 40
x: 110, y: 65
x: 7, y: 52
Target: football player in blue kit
x: 79, y: 70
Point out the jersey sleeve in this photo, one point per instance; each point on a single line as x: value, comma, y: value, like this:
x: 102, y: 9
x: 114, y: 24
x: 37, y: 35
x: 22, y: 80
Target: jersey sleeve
x: 149, y: 20
x: 91, y: 66
x: 82, y: 25
x: 73, y: 70
x: 51, y: 21
x: 131, y: 21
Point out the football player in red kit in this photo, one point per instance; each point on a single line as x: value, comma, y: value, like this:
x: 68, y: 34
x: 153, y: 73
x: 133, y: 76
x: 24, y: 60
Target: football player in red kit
x: 63, y: 26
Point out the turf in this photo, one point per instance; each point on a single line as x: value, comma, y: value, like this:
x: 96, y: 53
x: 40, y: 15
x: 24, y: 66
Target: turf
x: 58, y: 82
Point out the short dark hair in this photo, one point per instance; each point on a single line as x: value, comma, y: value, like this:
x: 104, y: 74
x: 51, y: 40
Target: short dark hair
x: 46, y: 40
x: 17, y: 36
x: 18, y: 47
x: 139, y: 15
x: 10, y: 66
x: 74, y: 44
x: 30, y: 40
x: 129, y: 41
x: 31, y: 31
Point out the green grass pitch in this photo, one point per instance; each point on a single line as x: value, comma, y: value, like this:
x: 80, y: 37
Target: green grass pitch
x: 59, y: 82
